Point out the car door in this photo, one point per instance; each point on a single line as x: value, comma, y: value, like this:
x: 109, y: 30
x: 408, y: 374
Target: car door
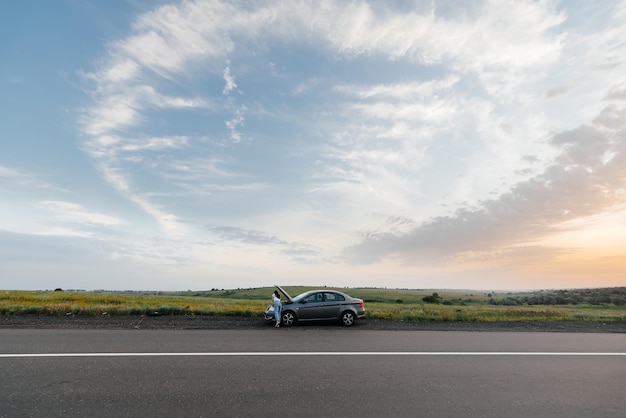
x: 310, y: 307
x: 332, y: 305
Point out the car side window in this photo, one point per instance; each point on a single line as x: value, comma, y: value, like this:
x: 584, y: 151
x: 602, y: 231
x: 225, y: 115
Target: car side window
x: 315, y: 297
x: 334, y: 297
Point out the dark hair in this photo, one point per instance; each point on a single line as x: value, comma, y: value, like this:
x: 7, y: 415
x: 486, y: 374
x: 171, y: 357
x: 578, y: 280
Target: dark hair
x: 277, y: 294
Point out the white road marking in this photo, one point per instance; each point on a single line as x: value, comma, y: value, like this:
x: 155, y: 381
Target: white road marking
x: 314, y: 354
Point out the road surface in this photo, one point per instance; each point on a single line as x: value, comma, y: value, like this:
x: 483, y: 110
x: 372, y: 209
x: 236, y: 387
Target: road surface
x: 305, y: 372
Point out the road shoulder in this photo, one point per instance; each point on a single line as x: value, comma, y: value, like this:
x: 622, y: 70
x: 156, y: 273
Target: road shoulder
x: 190, y: 322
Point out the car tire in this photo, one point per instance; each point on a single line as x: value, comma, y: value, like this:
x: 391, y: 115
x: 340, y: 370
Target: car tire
x: 288, y: 318
x: 348, y: 318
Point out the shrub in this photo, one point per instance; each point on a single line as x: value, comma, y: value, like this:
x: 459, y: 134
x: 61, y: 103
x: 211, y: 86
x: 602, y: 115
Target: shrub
x: 431, y: 299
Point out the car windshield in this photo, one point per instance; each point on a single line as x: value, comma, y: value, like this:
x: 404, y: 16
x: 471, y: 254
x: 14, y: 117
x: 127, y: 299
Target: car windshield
x: 301, y: 296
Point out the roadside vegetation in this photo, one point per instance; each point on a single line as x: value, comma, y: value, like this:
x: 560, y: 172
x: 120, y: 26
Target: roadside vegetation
x: 594, y: 305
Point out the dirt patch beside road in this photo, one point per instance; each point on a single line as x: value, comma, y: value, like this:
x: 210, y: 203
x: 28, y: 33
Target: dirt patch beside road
x: 189, y: 322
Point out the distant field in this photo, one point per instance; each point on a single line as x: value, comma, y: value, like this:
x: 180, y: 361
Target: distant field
x: 596, y: 305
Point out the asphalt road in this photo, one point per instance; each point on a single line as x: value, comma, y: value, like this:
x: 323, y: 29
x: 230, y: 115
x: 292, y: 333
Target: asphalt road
x: 305, y: 372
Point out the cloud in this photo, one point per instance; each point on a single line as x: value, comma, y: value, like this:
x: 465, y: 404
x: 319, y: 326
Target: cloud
x: 245, y: 236
x: 151, y: 144
x: 306, y: 86
x: 150, y: 96
x: 236, y: 122
x: 498, y: 41
x: 76, y: 213
x: 411, y: 91
x: 558, y: 91
x: 298, y: 251
x: 617, y: 92
x: 112, y: 114
x: 230, y: 81
x: 13, y: 179
x: 581, y: 182
x: 165, y: 39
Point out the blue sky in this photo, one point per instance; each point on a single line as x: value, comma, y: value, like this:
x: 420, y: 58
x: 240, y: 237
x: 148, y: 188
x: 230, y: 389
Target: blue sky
x: 215, y: 144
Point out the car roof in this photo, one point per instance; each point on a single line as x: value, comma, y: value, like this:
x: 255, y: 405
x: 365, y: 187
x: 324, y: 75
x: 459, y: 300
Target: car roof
x: 327, y: 291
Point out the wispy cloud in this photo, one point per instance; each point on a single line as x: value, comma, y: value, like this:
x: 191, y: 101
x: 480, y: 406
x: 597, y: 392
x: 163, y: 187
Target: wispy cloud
x: 230, y: 81
x: 300, y: 252
x: 76, y: 213
x: 411, y: 91
x: 235, y: 123
x: 11, y: 178
x: 151, y: 144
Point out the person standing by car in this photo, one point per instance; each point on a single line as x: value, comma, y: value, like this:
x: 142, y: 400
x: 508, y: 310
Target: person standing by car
x: 277, y: 307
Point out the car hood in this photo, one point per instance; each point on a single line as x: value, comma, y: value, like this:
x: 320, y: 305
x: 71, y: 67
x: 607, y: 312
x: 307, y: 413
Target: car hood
x: 284, y: 293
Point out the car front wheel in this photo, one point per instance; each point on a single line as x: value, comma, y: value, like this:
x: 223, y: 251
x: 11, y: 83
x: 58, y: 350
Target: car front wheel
x: 347, y: 318
x: 288, y: 318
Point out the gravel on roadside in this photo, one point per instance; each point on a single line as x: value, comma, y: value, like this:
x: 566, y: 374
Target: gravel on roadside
x: 190, y: 322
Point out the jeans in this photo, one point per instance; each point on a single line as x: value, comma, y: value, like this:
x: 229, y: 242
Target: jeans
x: 277, y: 308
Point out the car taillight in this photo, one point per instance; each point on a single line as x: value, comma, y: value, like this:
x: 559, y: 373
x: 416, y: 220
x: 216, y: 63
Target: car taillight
x: 362, y: 304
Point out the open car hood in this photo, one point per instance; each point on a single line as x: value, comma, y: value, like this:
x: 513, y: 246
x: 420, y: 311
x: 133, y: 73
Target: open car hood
x: 284, y: 293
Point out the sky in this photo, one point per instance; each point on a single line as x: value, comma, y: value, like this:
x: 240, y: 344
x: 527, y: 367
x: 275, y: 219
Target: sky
x: 191, y: 145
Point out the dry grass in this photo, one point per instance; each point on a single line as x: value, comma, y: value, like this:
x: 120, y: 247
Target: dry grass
x: 392, y: 305
x: 487, y: 313
x: 94, y: 303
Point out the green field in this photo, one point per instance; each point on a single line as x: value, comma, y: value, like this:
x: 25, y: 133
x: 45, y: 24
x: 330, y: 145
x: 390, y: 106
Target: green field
x: 595, y: 305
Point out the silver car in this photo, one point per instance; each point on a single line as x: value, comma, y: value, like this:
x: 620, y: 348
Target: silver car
x: 318, y: 305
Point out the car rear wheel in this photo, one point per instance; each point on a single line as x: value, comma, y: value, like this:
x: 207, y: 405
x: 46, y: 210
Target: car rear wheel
x: 288, y: 318
x: 347, y: 318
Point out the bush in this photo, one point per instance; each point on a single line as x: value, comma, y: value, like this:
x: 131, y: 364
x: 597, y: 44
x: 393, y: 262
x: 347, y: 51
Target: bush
x: 431, y: 299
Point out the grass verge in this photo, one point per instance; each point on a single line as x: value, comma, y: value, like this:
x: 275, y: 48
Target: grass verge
x: 398, y: 305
